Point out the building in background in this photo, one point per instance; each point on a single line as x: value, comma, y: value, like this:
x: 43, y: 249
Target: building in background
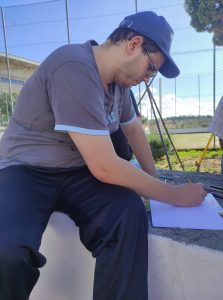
x: 20, y: 70
x: 12, y: 82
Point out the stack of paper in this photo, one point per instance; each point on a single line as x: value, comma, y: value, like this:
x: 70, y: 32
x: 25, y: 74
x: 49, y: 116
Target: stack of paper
x: 204, y: 216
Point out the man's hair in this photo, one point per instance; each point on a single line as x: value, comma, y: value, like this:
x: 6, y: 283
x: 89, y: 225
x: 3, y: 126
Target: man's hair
x: 123, y: 34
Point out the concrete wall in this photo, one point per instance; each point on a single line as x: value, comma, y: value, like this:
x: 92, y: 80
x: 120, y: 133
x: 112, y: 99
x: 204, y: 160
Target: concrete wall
x: 69, y: 272
x: 177, y: 271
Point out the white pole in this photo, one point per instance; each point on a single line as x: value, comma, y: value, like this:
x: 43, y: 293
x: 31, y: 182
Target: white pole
x: 7, y: 59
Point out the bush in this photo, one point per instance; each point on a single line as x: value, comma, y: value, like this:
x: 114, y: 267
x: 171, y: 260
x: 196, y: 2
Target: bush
x: 157, y: 146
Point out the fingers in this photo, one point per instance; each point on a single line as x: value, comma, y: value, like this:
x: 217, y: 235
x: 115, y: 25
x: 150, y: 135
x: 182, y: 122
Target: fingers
x: 203, y: 190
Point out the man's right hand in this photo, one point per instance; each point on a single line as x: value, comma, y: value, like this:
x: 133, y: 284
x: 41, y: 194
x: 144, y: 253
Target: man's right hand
x: 189, y: 194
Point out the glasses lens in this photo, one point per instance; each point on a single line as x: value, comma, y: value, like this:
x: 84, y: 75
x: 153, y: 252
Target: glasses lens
x: 152, y: 67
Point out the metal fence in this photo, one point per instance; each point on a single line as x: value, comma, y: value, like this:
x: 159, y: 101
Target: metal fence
x: 29, y: 33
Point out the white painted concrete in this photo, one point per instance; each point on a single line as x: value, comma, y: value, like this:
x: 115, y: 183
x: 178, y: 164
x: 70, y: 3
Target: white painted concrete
x: 69, y: 271
x: 177, y: 271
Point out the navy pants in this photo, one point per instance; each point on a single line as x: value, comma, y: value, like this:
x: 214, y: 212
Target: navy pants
x: 112, y: 224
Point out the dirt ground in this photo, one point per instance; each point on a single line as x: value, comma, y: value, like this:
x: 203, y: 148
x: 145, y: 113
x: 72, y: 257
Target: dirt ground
x: 211, y: 165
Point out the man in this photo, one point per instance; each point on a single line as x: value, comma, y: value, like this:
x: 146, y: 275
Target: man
x: 216, y: 126
x: 56, y: 154
x: 119, y: 140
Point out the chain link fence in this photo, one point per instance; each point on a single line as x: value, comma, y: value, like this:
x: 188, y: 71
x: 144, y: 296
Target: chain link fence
x: 29, y: 33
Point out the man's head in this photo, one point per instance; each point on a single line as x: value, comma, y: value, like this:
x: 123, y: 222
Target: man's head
x: 156, y: 36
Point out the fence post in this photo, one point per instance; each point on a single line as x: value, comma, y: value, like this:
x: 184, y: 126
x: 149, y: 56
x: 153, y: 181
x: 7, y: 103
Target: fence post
x: 214, y: 84
x: 136, y: 6
x: 140, y: 107
x: 199, y: 98
x: 7, y: 60
x: 160, y: 97
x: 68, y: 25
x: 175, y: 94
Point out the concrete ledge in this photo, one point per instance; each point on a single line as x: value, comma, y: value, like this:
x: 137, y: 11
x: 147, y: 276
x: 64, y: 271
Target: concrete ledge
x: 179, y: 271
x: 69, y: 271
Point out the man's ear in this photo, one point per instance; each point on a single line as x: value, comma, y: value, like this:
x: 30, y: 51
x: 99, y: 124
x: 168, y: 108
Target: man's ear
x: 134, y: 44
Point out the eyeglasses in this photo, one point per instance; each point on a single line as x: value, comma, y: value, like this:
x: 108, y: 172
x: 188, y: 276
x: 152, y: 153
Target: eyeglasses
x: 152, y: 70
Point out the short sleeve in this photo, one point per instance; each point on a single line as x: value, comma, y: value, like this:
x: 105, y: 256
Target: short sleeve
x: 77, y: 99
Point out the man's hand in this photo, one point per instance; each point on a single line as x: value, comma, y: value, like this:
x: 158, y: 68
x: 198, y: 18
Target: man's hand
x: 189, y: 194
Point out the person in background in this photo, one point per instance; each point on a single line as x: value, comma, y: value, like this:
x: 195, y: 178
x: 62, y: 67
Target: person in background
x: 216, y: 126
x: 119, y: 140
x: 57, y: 155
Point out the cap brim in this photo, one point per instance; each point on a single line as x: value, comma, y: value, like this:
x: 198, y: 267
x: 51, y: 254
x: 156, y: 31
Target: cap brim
x: 169, y: 69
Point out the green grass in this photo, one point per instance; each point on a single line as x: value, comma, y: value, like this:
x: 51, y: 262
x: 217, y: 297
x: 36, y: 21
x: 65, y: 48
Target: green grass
x: 211, y: 162
x: 197, y: 153
x: 190, y: 148
x: 193, y: 141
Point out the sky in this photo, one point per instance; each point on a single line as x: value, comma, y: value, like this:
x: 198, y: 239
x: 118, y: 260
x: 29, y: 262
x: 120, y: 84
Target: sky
x: 34, y: 28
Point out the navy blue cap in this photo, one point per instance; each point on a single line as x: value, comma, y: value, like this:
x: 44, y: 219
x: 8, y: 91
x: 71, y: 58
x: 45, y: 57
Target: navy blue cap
x: 159, y: 31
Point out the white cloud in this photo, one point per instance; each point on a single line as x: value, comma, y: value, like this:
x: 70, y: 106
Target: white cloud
x: 176, y: 107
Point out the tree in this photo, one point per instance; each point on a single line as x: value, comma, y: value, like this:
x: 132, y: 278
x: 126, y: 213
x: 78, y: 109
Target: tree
x: 207, y: 15
x: 5, y: 103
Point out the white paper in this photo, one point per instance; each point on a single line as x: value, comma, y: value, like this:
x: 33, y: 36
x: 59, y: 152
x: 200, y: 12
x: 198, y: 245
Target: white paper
x: 204, y: 216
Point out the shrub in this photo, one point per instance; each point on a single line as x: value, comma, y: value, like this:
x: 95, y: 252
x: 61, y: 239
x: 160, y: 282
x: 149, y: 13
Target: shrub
x: 157, y: 146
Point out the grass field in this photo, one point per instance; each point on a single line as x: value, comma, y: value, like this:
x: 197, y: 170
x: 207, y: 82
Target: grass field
x: 193, y: 141
x: 190, y: 148
x: 210, y: 163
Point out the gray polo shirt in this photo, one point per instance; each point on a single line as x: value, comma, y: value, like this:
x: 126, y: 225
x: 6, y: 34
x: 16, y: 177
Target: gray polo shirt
x: 64, y: 94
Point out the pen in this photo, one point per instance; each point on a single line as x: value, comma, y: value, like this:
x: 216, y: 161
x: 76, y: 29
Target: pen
x: 216, y: 187
x: 215, y: 190
x: 188, y: 179
x: 210, y: 189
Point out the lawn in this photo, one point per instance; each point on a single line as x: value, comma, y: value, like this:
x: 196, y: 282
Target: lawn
x: 193, y: 141
x: 211, y: 162
x: 190, y: 148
